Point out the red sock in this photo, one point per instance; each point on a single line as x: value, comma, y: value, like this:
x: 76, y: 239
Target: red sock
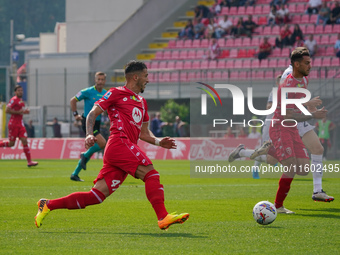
x: 282, y: 191
x: 4, y: 144
x: 155, y: 193
x: 27, y: 153
x: 77, y: 200
x: 272, y: 152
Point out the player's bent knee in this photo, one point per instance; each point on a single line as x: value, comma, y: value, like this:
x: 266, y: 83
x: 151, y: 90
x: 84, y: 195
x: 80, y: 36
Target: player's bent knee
x: 317, y: 150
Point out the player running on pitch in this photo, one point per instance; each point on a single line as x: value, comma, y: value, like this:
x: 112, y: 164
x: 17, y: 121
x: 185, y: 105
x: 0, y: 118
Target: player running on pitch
x: 129, y: 119
x: 16, y: 126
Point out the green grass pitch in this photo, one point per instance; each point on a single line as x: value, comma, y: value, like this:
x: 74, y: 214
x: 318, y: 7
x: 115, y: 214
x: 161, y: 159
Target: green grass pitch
x: 220, y: 210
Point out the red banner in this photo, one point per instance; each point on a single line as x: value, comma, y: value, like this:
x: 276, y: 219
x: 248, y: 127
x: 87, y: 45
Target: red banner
x: 70, y: 148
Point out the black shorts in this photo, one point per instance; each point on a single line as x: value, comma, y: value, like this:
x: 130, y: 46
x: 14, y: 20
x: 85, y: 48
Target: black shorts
x: 96, y: 128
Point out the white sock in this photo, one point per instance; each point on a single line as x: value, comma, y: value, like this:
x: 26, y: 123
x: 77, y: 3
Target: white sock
x: 316, y: 167
x: 262, y: 158
x: 246, y: 153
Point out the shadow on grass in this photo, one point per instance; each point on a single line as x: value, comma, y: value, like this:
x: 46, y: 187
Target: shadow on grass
x: 322, y: 214
x: 162, y: 234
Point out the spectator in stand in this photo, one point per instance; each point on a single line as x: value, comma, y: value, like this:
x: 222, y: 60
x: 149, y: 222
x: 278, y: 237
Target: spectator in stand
x: 216, y: 8
x: 324, y: 14
x: 210, y: 31
x: 283, y: 15
x: 224, y: 27
x: 157, y: 125
x: 242, y: 134
x: 214, y: 50
x: 254, y: 134
x: 297, y: 32
x: 277, y: 2
x: 324, y: 128
x: 272, y: 16
x: 201, y: 12
x: 279, y: 42
x: 313, y: 6
x: 311, y: 45
x: 238, y: 29
x: 30, y: 130
x: 179, y: 127
x: 229, y: 133
x: 56, y: 128
x: 335, y: 14
x: 265, y: 49
x: 199, y: 29
x: 285, y: 35
x: 225, y: 3
x: 187, y: 31
x: 299, y: 42
x: 337, y: 47
x: 249, y: 26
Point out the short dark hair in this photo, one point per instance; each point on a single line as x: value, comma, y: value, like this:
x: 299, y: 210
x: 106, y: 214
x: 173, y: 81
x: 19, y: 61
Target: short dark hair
x: 17, y: 87
x: 134, y: 66
x: 298, y: 53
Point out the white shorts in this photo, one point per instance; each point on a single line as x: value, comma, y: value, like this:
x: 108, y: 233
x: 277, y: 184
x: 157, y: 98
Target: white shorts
x: 304, y: 127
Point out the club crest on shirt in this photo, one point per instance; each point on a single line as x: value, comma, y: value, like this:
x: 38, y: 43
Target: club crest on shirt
x: 136, y: 115
x: 135, y: 99
x: 289, y: 150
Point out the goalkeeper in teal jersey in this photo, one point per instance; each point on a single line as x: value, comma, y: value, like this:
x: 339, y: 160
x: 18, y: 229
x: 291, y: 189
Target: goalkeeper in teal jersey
x: 90, y: 95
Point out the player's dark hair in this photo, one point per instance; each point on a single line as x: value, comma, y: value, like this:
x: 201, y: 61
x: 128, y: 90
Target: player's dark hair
x: 298, y: 53
x: 134, y: 66
x: 17, y: 87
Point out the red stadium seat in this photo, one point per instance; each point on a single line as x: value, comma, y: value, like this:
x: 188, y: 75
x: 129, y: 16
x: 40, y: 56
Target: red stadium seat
x: 243, y: 75
x: 238, y: 63
x: 229, y: 64
x: 258, y: 9
x: 225, y: 54
x: 282, y: 63
x: 154, y: 65
x: 204, y: 43
x: 313, y: 18
x: 317, y: 62
x: 196, y: 43
x: 191, y: 76
x: 191, y: 54
x: 172, y: 44
x: 250, y: 10
x: 234, y: 75
x: 199, y: 54
x: 233, y: 53
x: 212, y: 64
x: 318, y: 29
x: 296, y: 19
x: 217, y: 76
x: 159, y: 55
x: 255, y: 63
x: 271, y: 40
x: 162, y: 65
x: 272, y: 63
x: 326, y: 62
x: 266, y: 9
x: 255, y: 41
x: 183, y: 54
x: 229, y: 42
x: 305, y: 19
x: 300, y: 8
x: 204, y: 64
x: 310, y: 29
x: 262, y: 20
x: 179, y: 64
x: 183, y: 76
x: 225, y: 75
x: 170, y: 65
x: 267, y: 30
x: 242, y: 53
x: 324, y: 40
x: 269, y: 75
x: 241, y: 10
x: 335, y: 61
x: 225, y: 11
x: 233, y: 10
x: 187, y: 64
x: 167, y: 54
x: 164, y: 77
x: 247, y: 63
x: 333, y: 38
x: 329, y: 51
x: 276, y: 30
x: 276, y: 52
x: 264, y: 63
x: 221, y: 42
x: 258, y: 30
x: 196, y: 64
x: 251, y: 53
x: 238, y: 42
x: 313, y: 74
x: 221, y: 64
x: 285, y: 53
x: 317, y: 38
x: 336, y: 28
x: 174, y: 76
x: 187, y: 43
x: 179, y: 44
x: 246, y: 42
x: 292, y: 8
x: 148, y: 64
x: 328, y: 29
x: 332, y: 73
x: 174, y: 54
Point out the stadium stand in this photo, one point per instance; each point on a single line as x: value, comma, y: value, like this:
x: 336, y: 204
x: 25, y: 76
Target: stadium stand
x: 239, y: 53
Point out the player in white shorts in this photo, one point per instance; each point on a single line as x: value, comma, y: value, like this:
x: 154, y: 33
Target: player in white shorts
x: 310, y: 140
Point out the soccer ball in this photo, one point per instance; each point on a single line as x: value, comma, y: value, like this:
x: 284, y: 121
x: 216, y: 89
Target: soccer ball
x: 264, y: 212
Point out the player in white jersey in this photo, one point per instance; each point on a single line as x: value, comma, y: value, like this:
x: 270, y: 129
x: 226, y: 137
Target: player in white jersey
x: 310, y: 140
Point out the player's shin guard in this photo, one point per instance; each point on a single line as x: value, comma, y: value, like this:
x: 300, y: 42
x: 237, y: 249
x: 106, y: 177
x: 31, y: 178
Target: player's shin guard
x: 316, y: 168
x: 77, y: 200
x: 4, y: 144
x: 282, y: 192
x: 27, y: 153
x: 155, y: 193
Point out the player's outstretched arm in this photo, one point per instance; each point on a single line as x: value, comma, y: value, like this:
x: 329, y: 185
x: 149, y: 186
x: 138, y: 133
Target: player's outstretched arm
x: 90, y: 120
x: 147, y: 136
x: 299, y: 117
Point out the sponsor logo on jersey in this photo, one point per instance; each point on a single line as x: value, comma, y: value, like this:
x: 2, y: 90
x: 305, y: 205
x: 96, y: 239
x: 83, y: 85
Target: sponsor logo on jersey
x: 124, y: 99
x: 136, y: 115
x: 107, y: 95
